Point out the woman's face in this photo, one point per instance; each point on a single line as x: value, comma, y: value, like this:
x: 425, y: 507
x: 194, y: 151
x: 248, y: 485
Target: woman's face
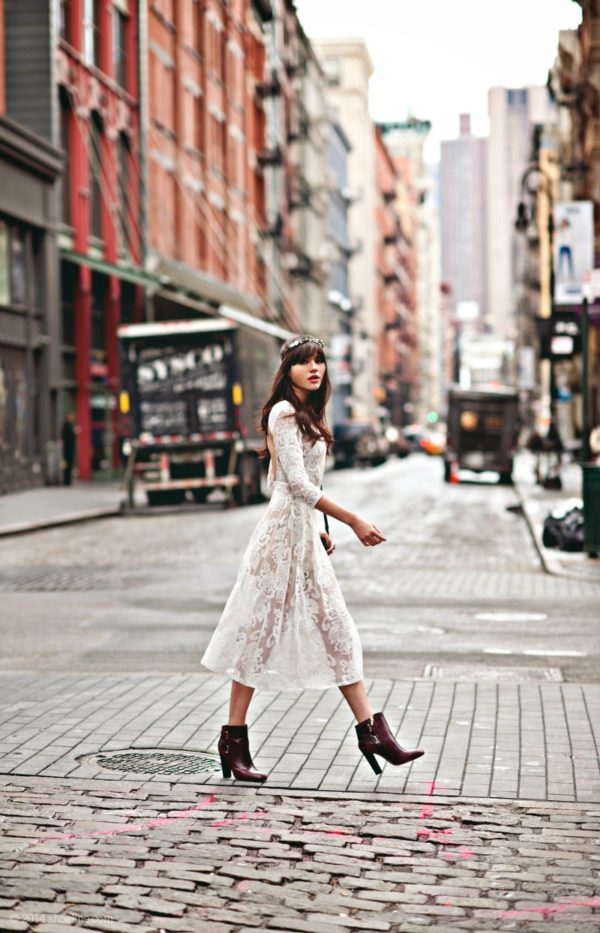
x: 307, y: 377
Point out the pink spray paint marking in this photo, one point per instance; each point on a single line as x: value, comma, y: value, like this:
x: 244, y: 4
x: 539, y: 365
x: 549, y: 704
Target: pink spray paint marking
x: 463, y: 853
x: 129, y: 827
x: 258, y: 814
x: 425, y: 812
x: 547, y: 910
x: 432, y: 785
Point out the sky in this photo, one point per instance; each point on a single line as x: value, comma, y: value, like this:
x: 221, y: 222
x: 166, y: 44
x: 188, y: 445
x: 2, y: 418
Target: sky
x: 435, y: 59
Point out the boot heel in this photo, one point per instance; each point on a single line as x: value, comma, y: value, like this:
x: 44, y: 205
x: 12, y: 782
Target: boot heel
x: 372, y: 761
x: 225, y: 767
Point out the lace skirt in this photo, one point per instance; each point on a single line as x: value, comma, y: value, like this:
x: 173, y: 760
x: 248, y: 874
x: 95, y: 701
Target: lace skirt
x: 285, y: 625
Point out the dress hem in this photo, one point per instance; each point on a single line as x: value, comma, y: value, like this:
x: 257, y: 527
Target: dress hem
x: 289, y: 688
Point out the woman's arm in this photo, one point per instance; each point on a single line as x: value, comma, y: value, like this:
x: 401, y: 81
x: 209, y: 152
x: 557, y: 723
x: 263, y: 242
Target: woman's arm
x: 366, y: 532
x: 290, y: 460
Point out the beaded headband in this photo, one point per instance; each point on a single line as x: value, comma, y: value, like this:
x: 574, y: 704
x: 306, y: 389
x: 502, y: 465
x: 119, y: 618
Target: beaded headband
x: 300, y: 340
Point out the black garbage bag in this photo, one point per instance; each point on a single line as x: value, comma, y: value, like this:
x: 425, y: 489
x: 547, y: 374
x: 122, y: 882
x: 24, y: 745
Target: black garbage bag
x: 564, y: 532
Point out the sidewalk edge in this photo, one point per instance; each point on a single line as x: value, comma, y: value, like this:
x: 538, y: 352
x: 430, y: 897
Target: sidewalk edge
x: 68, y: 519
x: 550, y: 564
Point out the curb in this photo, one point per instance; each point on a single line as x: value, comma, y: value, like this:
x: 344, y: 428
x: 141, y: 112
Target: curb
x: 550, y: 564
x: 71, y: 518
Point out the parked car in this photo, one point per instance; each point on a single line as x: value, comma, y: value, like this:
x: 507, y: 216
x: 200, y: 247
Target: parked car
x: 358, y: 442
x: 399, y: 445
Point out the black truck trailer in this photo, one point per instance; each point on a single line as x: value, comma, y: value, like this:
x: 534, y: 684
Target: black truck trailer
x: 190, y: 401
x: 482, y: 431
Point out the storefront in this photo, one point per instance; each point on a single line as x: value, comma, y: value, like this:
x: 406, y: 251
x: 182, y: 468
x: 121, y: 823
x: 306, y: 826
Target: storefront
x: 29, y: 167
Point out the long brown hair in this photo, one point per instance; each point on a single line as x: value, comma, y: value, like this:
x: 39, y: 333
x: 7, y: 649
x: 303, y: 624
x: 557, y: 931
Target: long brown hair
x: 310, y: 415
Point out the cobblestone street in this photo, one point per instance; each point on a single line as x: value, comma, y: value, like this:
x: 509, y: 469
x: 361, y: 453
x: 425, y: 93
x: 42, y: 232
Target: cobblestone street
x: 192, y: 858
x: 115, y: 815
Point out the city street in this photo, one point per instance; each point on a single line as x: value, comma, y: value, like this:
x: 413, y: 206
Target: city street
x: 472, y: 650
x: 458, y: 583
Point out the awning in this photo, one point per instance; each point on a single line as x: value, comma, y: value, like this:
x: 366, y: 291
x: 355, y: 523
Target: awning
x: 131, y: 274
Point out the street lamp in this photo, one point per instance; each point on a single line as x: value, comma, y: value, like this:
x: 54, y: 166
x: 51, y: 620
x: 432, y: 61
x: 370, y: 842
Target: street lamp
x: 533, y: 182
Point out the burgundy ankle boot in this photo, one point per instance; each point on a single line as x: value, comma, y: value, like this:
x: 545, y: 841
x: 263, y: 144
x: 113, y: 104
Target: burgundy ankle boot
x: 375, y: 738
x: 235, y: 754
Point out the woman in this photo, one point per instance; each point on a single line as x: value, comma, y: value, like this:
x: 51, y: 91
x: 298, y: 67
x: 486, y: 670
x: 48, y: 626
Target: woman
x: 285, y: 624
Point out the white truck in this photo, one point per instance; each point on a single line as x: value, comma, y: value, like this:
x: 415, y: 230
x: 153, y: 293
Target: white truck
x: 190, y: 403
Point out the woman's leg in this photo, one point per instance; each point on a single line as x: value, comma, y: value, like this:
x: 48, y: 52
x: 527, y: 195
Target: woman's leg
x: 239, y: 701
x: 357, y: 699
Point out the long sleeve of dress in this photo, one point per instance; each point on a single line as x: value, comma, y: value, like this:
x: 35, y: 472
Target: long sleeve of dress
x: 290, y: 461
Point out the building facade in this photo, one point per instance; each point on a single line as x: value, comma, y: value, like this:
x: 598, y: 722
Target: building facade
x: 513, y: 113
x: 348, y: 67
x: 393, y: 281
x: 29, y: 296
x: 202, y: 138
x: 406, y: 141
x: 463, y: 218
x: 575, y: 86
x: 339, y: 301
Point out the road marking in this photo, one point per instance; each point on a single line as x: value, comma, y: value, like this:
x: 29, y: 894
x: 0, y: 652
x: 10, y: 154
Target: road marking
x: 511, y: 616
x: 538, y: 652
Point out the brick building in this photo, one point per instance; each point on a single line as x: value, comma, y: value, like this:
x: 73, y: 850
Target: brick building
x: 96, y: 89
x: 29, y: 168
x: 202, y: 64
x: 396, y: 288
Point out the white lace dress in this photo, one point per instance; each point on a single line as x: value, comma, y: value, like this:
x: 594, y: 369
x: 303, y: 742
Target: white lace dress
x: 285, y: 625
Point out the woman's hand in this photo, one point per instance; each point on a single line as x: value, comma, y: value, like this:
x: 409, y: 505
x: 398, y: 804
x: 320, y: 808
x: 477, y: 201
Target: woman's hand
x: 367, y: 533
x: 329, y: 545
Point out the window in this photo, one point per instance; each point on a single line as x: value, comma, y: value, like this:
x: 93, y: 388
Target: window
x: 198, y: 14
x: 199, y: 141
x: 120, y: 47
x: 62, y: 16
x: 91, y: 36
x: 4, y: 265
x: 65, y: 113
x: 13, y: 265
x: 217, y: 143
x: 124, y: 228
x: 333, y: 71
x: 18, y: 267
x: 95, y: 161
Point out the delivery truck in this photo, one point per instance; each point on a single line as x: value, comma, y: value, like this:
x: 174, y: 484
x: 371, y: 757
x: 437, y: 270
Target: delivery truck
x: 482, y: 431
x: 190, y: 403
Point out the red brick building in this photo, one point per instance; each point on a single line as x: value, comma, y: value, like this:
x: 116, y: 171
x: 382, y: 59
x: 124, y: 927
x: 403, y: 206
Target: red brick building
x: 101, y: 240
x: 205, y: 127
x: 393, y: 289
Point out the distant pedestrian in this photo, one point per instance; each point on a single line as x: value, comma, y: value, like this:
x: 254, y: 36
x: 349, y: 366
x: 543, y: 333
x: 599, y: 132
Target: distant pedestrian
x: 285, y: 625
x: 69, y: 432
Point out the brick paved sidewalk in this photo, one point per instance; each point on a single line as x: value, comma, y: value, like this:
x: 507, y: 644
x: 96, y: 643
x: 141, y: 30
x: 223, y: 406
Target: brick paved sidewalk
x: 134, y: 858
x: 534, y: 741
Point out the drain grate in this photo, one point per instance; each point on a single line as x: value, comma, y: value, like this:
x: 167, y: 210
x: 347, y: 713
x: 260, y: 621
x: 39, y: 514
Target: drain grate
x: 155, y: 761
x: 505, y: 675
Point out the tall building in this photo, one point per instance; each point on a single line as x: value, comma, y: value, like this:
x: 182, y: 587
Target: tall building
x: 463, y: 214
x: 406, y: 141
x: 29, y: 298
x: 348, y: 67
x: 396, y: 337
x: 339, y: 300
x: 513, y: 113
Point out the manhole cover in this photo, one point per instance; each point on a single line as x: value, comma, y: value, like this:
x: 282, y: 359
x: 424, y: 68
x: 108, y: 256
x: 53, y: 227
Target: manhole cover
x: 157, y: 761
x: 505, y: 675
